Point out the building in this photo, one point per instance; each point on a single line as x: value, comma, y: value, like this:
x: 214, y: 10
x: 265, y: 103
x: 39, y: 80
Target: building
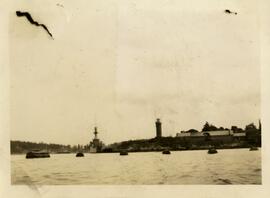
x: 240, y: 136
x: 222, y: 136
x: 204, y: 133
x: 158, y: 129
x: 189, y: 134
x: 218, y: 133
x: 183, y: 134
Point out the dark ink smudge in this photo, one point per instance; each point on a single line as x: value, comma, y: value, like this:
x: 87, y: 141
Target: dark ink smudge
x: 60, y: 5
x: 230, y: 12
x: 30, y: 19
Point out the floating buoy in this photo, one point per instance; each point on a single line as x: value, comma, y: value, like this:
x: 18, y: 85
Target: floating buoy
x: 123, y: 153
x: 80, y: 155
x: 212, y: 151
x: 253, y: 148
x: 166, y: 152
x: 37, y: 154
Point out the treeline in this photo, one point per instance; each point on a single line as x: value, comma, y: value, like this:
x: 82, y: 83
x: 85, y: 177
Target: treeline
x: 177, y: 143
x: 252, y: 138
x: 17, y: 147
x: 210, y: 127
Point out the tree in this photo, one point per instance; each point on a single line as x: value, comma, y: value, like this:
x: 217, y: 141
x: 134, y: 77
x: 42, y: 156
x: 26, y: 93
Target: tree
x: 235, y: 129
x: 250, y: 127
x: 192, y: 131
x: 209, y: 127
x: 206, y: 127
x: 213, y: 128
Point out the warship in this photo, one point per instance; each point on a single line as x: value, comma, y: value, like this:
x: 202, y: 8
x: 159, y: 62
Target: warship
x: 95, y: 145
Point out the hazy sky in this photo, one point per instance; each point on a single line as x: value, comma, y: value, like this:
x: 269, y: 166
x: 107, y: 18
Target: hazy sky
x: 121, y: 64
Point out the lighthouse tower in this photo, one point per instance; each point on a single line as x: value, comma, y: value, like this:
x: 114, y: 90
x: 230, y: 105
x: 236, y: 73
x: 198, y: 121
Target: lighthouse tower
x: 158, y: 129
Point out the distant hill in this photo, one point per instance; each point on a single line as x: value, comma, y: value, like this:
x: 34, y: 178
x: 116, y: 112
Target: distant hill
x: 20, y: 147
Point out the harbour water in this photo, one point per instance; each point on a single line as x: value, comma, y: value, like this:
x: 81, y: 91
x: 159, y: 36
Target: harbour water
x: 231, y: 166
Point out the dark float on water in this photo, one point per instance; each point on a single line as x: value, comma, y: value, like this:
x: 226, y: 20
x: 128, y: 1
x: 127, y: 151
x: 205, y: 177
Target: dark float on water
x: 80, y: 154
x: 166, y: 152
x: 253, y: 148
x: 123, y: 153
x: 212, y: 151
x: 37, y: 154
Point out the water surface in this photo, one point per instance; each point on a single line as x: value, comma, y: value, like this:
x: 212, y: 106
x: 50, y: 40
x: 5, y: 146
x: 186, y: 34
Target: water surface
x: 232, y: 166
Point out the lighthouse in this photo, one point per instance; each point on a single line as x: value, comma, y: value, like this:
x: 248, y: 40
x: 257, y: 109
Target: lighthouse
x: 158, y: 129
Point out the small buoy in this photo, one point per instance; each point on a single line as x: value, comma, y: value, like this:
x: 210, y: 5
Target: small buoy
x: 253, y: 148
x: 123, y: 153
x: 79, y: 155
x: 212, y: 151
x: 37, y: 154
x: 166, y: 152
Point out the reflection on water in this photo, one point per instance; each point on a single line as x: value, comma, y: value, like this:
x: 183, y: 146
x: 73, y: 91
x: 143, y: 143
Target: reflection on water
x: 238, y: 166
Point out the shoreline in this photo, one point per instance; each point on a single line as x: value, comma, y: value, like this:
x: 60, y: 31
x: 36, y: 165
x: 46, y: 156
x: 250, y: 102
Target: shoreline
x: 147, y: 151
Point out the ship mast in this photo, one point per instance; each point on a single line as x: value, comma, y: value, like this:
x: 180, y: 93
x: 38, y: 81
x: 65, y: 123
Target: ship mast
x: 95, y: 133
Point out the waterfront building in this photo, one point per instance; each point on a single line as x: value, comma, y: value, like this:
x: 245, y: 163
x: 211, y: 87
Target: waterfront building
x: 204, y: 133
x: 183, y: 134
x: 240, y: 136
x: 218, y: 133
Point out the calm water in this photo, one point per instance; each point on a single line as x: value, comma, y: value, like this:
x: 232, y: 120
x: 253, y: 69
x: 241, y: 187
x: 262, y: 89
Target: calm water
x: 238, y: 166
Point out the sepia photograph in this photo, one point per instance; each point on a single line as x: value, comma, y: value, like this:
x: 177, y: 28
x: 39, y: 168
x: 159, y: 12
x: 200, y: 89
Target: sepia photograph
x: 134, y: 93
x: 133, y: 98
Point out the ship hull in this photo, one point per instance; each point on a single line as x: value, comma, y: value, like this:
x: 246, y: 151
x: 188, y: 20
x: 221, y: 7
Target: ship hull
x: 93, y: 150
